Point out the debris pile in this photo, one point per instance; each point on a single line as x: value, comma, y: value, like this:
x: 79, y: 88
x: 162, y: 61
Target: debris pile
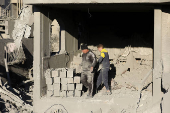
x: 15, y: 100
x: 62, y: 82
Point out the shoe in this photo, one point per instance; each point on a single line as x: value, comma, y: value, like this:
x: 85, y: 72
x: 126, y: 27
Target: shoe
x: 89, y: 97
x: 108, y: 93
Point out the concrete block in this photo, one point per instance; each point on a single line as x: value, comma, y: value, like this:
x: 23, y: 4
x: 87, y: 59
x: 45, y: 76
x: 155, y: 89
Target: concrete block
x: 56, y: 86
x: 77, y: 93
x: 50, y: 93
x: 64, y: 87
x: 63, y: 74
x: 70, y: 93
x: 64, y: 81
x: 55, y: 73
x: 70, y: 80
x: 56, y: 93
x: 57, y: 80
x: 50, y: 87
x: 63, y: 94
x: 49, y: 80
x: 76, y: 79
x: 71, y: 87
x: 70, y: 73
x: 79, y: 87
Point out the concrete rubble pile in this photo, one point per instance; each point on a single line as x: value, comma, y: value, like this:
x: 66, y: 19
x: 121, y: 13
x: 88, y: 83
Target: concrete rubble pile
x: 62, y: 82
x: 14, y: 100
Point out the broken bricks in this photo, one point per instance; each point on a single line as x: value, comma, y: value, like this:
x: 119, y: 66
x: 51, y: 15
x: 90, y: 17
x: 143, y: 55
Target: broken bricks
x: 61, y: 83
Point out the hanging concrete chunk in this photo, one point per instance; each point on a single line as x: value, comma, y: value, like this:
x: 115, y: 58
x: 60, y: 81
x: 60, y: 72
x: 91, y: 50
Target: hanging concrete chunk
x: 55, y: 73
x: 57, y: 80
x: 77, y: 93
x: 76, y: 79
x: 71, y: 87
x: 79, y: 86
x: 56, y: 86
x: 70, y: 80
x: 49, y: 80
x: 56, y: 93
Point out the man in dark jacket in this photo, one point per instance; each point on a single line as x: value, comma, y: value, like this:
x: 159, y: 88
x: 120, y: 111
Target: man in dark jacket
x: 104, y: 61
x: 88, y: 63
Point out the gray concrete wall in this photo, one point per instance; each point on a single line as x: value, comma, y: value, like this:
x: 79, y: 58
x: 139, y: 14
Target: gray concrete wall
x: 2, y: 2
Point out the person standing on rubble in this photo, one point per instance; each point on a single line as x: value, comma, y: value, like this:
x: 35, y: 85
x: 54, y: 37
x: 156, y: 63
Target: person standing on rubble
x: 88, y: 64
x: 103, y: 76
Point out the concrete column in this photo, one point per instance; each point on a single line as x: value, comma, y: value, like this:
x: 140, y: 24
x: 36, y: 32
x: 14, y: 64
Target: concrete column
x: 165, y: 58
x: 13, y: 10
x: 157, y: 55
x: 37, y: 63
x: 63, y: 41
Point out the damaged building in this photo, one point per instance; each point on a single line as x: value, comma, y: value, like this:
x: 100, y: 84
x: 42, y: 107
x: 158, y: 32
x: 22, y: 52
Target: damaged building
x: 42, y: 49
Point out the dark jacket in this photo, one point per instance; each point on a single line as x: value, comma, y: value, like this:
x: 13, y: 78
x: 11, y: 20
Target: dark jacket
x: 88, y: 61
x: 104, y: 59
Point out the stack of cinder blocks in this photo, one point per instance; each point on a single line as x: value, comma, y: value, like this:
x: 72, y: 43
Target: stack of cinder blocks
x: 61, y: 82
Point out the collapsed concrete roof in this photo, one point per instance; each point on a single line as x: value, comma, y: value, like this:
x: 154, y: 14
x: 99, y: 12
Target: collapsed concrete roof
x: 91, y: 1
